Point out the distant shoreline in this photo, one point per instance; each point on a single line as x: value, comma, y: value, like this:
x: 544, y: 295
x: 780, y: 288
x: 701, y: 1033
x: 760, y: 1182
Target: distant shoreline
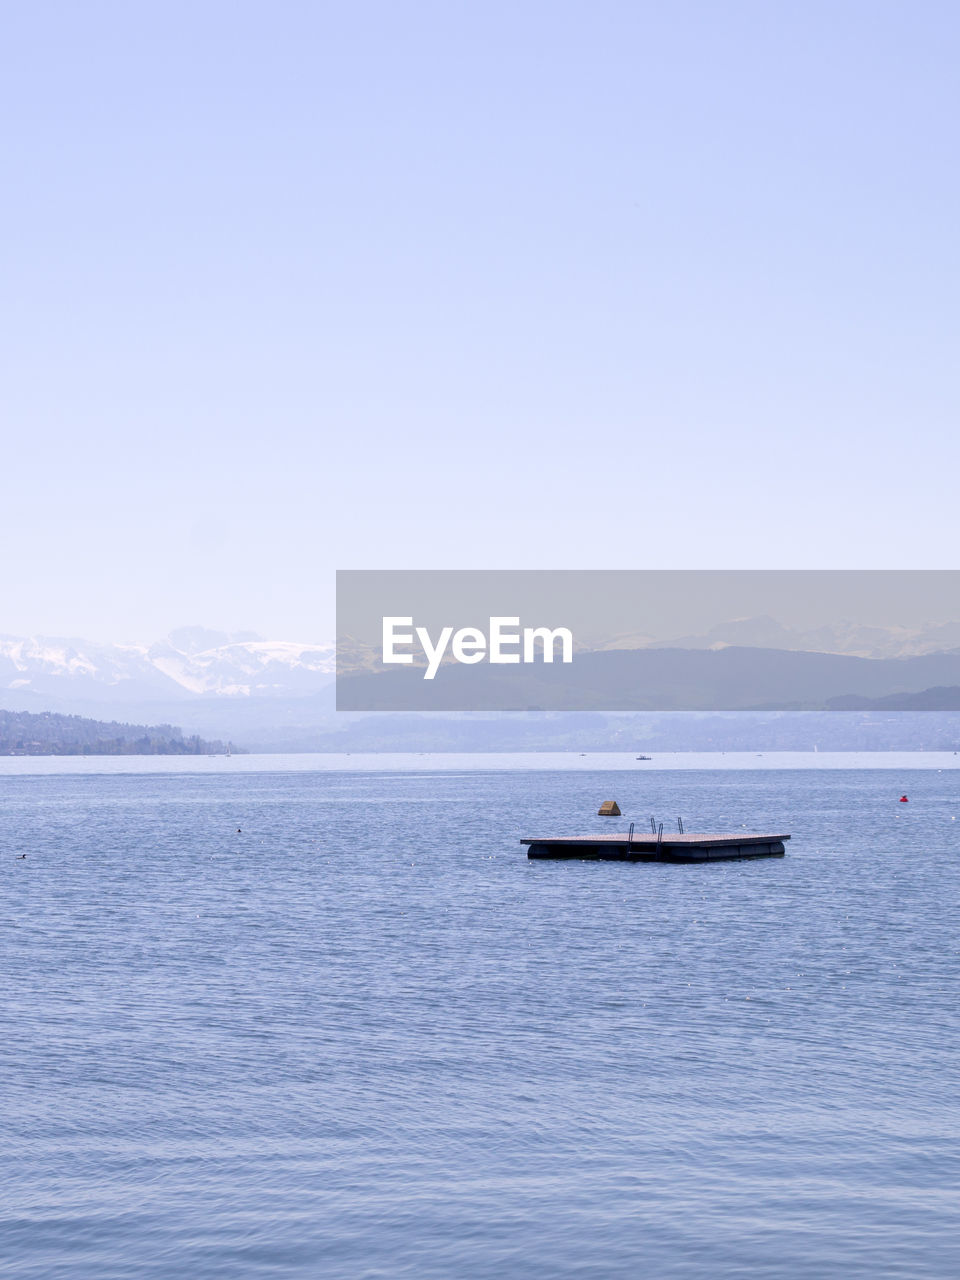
x: 48, y: 733
x: 573, y: 763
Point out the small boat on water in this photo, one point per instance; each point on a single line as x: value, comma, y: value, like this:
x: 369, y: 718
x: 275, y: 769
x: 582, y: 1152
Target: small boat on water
x: 644, y: 757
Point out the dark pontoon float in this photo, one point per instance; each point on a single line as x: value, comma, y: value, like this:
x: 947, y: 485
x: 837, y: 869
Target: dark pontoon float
x: 658, y: 847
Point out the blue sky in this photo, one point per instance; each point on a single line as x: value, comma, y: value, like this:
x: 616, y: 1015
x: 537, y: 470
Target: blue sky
x: 294, y: 287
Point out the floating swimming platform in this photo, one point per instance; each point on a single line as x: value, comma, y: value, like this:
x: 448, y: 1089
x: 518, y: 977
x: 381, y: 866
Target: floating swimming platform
x: 658, y: 847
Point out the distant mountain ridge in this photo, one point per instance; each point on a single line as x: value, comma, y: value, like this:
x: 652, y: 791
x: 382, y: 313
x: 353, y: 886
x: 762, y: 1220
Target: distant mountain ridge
x: 279, y: 694
x: 190, y: 662
x: 728, y: 678
x: 853, y: 640
x: 197, y: 662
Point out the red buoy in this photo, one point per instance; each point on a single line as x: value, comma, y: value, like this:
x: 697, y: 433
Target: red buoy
x: 903, y: 799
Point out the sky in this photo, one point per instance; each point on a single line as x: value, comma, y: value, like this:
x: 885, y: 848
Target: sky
x: 297, y: 287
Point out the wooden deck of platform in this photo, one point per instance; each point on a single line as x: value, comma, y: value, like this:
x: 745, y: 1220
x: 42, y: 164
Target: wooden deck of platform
x: 673, y: 847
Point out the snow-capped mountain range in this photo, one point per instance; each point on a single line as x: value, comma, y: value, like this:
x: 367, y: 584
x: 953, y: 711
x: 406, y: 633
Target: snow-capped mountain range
x: 191, y: 661
x: 195, y: 663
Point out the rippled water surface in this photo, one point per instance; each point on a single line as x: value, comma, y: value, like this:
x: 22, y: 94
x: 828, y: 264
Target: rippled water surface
x: 364, y: 1037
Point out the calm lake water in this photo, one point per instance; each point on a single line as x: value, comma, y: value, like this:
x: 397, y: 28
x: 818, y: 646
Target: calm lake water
x: 365, y: 1037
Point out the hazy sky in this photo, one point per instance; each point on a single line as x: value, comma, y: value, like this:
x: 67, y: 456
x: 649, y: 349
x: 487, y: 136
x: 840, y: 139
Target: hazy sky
x: 290, y: 287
